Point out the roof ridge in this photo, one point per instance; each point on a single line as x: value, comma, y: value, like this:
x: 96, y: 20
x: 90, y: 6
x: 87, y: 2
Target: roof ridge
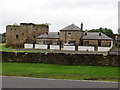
x: 95, y: 35
x: 71, y: 27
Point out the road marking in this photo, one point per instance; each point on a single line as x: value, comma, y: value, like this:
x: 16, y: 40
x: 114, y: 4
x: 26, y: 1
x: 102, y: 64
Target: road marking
x: 61, y: 79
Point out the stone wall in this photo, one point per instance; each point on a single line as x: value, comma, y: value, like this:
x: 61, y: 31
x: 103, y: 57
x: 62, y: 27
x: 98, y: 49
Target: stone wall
x: 62, y: 58
x: 17, y: 35
x: 90, y: 42
x: 11, y: 32
x: 46, y: 41
x: 104, y: 43
x: 66, y: 36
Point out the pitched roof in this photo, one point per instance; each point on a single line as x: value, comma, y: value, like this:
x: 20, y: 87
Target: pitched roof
x: 95, y: 35
x: 71, y: 27
x: 52, y: 35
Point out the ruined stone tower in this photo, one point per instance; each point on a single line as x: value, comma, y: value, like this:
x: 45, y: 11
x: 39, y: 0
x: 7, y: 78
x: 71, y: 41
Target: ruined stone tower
x: 17, y: 35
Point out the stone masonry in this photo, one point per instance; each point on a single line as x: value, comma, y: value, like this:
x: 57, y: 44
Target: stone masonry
x: 17, y: 35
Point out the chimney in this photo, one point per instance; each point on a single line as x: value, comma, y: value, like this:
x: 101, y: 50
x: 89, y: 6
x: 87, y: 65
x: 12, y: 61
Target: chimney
x: 46, y: 33
x: 82, y: 26
x: 86, y: 32
x: 99, y: 33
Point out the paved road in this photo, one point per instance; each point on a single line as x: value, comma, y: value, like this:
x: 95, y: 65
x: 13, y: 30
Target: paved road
x: 23, y: 82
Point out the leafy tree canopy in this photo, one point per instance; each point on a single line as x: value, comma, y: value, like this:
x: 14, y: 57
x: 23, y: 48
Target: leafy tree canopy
x: 106, y: 31
x: 2, y: 37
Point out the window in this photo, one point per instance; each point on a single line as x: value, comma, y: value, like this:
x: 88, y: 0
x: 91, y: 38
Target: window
x: 16, y: 36
x: 15, y: 28
x: 11, y: 28
x: 69, y: 33
x: 86, y: 43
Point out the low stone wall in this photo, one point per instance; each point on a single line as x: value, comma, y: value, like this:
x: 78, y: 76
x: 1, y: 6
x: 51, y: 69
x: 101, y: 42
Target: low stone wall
x: 61, y: 58
x: 55, y: 47
x: 28, y: 46
x: 104, y: 49
x: 40, y: 46
x: 85, y: 48
x: 71, y: 48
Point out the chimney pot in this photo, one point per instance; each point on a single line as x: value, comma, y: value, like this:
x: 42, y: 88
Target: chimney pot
x: 85, y: 33
x: 82, y: 26
x: 99, y: 33
x: 46, y: 33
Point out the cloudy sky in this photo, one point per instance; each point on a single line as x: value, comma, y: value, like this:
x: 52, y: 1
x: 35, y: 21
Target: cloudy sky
x: 60, y: 13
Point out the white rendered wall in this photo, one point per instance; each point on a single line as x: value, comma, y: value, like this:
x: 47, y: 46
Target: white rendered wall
x: 28, y: 46
x: 56, y: 47
x: 40, y: 46
x: 85, y: 48
x: 71, y: 48
x: 111, y: 44
x: 104, y: 49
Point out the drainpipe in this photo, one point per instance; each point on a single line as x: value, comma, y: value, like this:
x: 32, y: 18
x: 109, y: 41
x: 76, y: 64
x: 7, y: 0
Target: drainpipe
x: 65, y: 36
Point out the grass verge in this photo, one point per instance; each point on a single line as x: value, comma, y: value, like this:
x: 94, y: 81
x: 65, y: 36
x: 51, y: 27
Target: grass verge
x: 11, y: 49
x: 41, y: 70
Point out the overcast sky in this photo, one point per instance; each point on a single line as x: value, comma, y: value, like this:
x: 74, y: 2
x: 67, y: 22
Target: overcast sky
x: 60, y: 13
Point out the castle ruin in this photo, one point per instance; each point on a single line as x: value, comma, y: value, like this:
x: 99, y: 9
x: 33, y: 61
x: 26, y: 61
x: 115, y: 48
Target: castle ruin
x: 17, y: 35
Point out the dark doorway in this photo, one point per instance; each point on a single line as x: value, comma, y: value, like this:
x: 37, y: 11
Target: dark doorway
x: 16, y: 36
x: 81, y: 43
x: 99, y: 42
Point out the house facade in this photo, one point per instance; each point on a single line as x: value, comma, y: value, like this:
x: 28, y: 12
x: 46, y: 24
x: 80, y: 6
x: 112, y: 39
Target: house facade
x: 72, y: 35
x: 96, y: 39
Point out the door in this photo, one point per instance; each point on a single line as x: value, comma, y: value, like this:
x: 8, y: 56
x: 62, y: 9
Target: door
x: 99, y: 42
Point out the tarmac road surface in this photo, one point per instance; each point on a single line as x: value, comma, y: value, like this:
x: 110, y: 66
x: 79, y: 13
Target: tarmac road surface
x: 27, y: 82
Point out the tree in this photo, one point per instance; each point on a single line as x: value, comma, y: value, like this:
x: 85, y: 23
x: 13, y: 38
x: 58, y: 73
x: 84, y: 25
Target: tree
x: 3, y: 38
x: 106, y: 31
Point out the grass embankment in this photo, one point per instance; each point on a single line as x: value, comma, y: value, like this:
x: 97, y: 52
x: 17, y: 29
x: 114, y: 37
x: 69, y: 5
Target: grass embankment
x: 40, y: 70
x: 11, y: 49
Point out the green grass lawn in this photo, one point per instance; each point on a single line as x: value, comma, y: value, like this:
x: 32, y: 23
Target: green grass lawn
x: 40, y: 70
x: 11, y: 49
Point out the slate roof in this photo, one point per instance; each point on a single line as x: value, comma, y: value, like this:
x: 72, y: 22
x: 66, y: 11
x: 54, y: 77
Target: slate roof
x: 50, y: 35
x: 94, y: 36
x: 71, y: 27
